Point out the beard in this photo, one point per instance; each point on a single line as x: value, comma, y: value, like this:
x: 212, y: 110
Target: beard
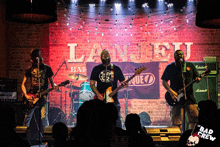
x: 104, y: 61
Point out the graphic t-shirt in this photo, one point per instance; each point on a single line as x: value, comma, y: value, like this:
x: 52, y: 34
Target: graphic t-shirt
x: 45, y: 74
x: 174, y: 74
x: 104, y: 79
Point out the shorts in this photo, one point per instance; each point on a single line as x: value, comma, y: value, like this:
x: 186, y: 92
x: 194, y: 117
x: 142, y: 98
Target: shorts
x: 176, y: 113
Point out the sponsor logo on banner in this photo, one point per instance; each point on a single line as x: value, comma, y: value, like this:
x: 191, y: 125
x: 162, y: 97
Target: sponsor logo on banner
x: 144, y: 79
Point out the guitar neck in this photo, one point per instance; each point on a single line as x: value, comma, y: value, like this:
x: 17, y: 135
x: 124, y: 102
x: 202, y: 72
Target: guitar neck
x: 119, y: 87
x: 190, y: 83
x: 46, y: 91
x: 202, y: 75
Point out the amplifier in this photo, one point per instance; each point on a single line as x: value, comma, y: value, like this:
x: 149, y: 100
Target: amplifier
x: 8, y: 90
x: 202, y: 66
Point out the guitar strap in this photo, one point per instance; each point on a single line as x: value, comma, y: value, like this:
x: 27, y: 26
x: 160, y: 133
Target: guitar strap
x: 112, y: 74
x: 184, y: 67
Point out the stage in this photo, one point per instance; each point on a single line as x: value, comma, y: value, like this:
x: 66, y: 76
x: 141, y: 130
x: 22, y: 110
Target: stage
x: 163, y: 136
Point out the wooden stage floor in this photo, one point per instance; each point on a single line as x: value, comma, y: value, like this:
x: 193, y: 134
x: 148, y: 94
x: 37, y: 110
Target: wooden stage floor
x: 156, y: 132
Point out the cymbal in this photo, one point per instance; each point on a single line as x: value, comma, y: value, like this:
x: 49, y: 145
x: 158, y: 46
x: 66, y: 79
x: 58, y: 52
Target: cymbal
x: 77, y: 76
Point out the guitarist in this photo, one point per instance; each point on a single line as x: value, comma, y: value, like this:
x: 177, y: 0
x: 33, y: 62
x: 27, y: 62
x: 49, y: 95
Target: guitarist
x: 173, y: 73
x: 32, y: 120
x: 105, y: 80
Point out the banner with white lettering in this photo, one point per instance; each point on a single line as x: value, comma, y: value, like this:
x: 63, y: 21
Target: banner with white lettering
x: 142, y: 86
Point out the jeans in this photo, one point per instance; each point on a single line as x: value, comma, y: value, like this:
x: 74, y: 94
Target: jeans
x: 118, y: 122
x: 35, y: 124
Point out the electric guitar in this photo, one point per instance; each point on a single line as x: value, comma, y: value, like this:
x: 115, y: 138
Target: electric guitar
x: 180, y: 92
x: 35, y: 97
x: 109, y: 93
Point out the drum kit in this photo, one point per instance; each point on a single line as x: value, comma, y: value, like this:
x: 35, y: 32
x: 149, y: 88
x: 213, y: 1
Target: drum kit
x: 78, y: 95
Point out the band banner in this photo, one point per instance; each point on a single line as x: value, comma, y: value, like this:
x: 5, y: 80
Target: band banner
x: 142, y: 86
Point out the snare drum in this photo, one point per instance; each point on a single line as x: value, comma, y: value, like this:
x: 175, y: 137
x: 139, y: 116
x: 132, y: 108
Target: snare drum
x: 86, y: 93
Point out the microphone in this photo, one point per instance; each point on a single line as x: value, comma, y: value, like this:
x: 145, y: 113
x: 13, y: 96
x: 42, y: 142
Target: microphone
x: 181, y: 59
x: 65, y: 63
x: 107, y: 59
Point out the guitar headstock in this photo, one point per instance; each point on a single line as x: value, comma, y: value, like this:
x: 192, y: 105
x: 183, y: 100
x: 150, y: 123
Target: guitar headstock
x: 139, y: 70
x: 64, y: 83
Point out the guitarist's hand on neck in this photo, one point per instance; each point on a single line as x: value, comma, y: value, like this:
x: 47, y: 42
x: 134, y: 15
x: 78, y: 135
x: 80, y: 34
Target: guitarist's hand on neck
x: 124, y: 84
x: 198, y: 79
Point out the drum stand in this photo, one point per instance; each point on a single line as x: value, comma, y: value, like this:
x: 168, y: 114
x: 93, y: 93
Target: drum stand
x: 60, y: 113
x: 126, y: 94
x: 72, y: 114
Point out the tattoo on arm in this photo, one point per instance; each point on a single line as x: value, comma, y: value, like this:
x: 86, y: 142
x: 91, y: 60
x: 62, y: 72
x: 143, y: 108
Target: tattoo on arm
x: 92, y: 86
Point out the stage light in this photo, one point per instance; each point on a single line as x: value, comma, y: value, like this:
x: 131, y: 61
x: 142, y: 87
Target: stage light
x: 117, y: 5
x: 92, y: 5
x: 31, y: 11
x: 145, y: 5
x: 208, y: 15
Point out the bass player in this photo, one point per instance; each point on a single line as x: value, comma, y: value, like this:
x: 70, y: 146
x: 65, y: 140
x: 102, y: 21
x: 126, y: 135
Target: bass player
x: 175, y: 72
x: 104, y: 80
x: 35, y: 124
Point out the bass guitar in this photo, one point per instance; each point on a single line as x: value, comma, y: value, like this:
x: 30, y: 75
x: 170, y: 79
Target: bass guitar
x: 109, y: 93
x: 180, y: 92
x: 35, y: 97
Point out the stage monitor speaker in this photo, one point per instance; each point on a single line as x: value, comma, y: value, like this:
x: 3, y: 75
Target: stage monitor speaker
x: 164, y: 133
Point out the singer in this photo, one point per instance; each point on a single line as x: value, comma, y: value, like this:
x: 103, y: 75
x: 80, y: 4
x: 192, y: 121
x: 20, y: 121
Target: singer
x: 107, y: 75
x: 39, y: 74
x: 173, y: 73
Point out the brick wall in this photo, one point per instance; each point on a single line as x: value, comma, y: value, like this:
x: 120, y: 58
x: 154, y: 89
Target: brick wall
x: 3, y: 42
x: 154, y: 42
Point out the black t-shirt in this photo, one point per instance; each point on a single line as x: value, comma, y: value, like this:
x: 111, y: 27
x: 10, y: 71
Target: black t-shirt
x: 45, y: 73
x: 204, y: 135
x: 173, y: 73
x: 98, y: 74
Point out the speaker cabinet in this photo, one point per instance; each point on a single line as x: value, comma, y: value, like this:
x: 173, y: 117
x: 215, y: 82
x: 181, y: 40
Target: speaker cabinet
x: 206, y: 88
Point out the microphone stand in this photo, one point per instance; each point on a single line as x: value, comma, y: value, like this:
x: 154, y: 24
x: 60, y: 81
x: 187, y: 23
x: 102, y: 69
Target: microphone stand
x: 185, y: 98
x: 107, y: 62
x: 60, y: 113
x: 39, y: 93
x: 106, y: 80
x: 59, y: 69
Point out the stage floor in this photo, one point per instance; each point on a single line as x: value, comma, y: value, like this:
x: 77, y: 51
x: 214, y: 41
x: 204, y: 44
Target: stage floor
x: 158, y: 133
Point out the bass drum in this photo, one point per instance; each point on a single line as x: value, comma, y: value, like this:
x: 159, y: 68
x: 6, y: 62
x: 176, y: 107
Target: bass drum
x: 77, y: 103
x: 56, y: 115
x: 86, y: 93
